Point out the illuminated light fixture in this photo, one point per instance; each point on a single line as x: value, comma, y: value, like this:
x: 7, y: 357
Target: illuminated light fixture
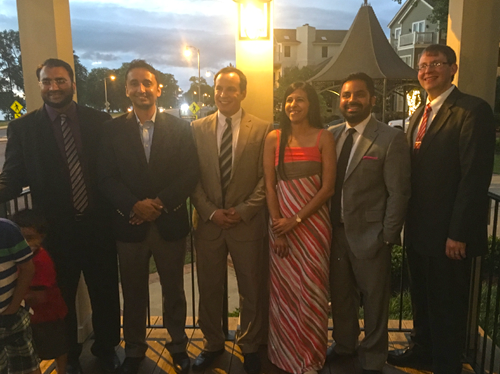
x: 414, y: 100
x: 254, y: 19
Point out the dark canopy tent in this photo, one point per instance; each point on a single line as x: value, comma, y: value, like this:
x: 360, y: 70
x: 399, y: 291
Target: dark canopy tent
x: 366, y: 49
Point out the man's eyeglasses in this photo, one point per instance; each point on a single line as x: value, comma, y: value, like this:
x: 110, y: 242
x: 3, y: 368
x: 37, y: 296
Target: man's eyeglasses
x: 58, y: 81
x: 432, y: 65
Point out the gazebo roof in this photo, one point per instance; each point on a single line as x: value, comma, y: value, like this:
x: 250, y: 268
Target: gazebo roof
x: 365, y: 48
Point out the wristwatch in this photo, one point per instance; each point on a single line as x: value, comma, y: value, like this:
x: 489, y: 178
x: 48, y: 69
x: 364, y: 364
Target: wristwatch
x: 298, y: 219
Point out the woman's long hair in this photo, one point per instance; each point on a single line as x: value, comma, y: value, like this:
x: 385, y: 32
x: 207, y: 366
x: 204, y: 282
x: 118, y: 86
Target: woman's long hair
x: 313, y: 115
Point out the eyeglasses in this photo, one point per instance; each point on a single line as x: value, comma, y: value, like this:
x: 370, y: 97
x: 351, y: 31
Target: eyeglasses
x: 432, y: 65
x: 58, y: 81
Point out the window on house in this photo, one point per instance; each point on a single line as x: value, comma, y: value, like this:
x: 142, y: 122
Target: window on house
x: 397, y: 33
x: 407, y: 60
x: 287, y: 51
x: 418, y: 26
x: 324, y: 51
x: 323, y: 38
x: 287, y: 37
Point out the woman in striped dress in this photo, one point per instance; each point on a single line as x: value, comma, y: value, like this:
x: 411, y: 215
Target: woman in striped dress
x: 299, y: 170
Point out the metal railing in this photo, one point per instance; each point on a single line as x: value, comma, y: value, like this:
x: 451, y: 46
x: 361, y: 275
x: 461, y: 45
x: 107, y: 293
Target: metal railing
x: 482, y: 350
x: 415, y: 38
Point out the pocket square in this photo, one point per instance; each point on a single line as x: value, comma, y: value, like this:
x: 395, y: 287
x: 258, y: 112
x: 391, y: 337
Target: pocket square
x: 370, y: 158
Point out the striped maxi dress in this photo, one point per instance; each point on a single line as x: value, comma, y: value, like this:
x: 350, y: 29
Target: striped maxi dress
x: 298, y: 313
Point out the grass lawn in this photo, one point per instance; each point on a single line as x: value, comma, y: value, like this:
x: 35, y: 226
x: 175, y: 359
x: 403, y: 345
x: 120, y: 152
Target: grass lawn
x: 496, y: 165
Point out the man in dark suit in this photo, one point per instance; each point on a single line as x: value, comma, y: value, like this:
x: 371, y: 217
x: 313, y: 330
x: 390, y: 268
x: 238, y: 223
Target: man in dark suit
x: 230, y: 201
x: 368, y: 210
x: 148, y: 168
x: 53, y: 151
x: 452, y: 140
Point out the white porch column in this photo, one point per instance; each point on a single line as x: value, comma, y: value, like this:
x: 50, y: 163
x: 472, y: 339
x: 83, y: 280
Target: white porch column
x: 474, y: 33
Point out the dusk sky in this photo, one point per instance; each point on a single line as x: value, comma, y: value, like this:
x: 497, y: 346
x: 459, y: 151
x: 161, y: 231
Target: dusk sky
x: 109, y: 32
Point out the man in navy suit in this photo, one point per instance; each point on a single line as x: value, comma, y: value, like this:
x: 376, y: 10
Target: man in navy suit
x: 148, y: 168
x: 52, y: 150
x: 452, y: 141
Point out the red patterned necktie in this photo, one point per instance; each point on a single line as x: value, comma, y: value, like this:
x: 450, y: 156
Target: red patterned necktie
x: 423, y: 127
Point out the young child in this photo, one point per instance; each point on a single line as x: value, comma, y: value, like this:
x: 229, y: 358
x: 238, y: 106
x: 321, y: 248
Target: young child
x: 44, y: 297
x: 17, y: 353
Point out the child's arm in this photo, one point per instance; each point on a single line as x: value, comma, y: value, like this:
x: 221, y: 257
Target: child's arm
x: 26, y: 271
x: 36, y: 295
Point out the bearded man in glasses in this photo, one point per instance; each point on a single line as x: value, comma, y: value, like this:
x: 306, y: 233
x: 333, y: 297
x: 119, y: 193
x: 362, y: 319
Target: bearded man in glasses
x: 53, y: 151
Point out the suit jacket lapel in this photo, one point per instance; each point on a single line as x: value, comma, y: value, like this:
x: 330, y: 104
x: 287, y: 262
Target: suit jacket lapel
x: 245, y: 128
x: 364, y: 143
x: 158, y: 142
x: 210, y: 140
x: 133, y: 135
x: 338, y: 131
x: 414, y: 121
x: 45, y: 132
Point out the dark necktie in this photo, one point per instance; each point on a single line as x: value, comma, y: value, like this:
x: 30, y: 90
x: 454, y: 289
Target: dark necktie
x: 78, y: 188
x: 226, y: 157
x: 422, y: 128
x: 342, y: 163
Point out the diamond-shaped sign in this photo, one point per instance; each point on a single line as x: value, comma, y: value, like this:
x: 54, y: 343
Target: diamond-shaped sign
x: 194, y: 108
x: 16, y: 107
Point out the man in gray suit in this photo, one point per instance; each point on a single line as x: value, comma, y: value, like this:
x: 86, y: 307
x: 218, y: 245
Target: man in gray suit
x: 368, y: 210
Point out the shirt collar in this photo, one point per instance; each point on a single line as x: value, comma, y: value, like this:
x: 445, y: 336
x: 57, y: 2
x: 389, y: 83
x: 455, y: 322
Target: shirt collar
x: 152, y: 120
x: 438, y: 101
x: 360, y: 127
x: 54, y: 114
x: 235, y: 118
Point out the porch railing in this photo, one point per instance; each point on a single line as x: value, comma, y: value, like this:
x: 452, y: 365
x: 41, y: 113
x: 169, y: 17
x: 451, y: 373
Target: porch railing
x: 482, y: 349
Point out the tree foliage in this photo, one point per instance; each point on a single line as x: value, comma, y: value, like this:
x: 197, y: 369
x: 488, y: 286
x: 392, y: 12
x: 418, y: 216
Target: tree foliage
x: 207, y: 91
x: 11, y: 75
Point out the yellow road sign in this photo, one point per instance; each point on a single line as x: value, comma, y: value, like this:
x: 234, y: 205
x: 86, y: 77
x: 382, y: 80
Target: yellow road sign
x: 17, y: 115
x: 16, y: 107
x: 194, y: 108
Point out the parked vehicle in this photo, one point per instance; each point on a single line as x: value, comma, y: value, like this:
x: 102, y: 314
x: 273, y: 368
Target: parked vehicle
x: 398, y: 124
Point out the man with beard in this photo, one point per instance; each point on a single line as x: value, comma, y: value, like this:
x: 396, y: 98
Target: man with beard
x: 148, y: 168
x: 52, y: 150
x: 368, y: 209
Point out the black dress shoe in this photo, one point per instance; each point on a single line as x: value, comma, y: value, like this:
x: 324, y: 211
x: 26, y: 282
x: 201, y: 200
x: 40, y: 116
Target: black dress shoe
x: 332, y: 355
x: 110, y: 362
x: 251, y: 364
x: 130, y: 365
x: 205, y: 359
x: 73, y: 367
x: 414, y: 357
x: 181, y: 362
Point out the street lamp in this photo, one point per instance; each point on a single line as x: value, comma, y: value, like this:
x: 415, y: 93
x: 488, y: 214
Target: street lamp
x: 188, y: 52
x: 106, y: 102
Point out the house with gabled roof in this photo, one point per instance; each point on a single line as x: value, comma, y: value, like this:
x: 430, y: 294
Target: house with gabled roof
x: 411, y: 30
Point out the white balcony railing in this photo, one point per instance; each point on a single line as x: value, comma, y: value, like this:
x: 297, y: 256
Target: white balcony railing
x: 416, y: 38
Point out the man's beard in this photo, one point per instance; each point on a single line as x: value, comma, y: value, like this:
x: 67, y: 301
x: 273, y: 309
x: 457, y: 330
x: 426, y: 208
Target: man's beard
x: 68, y: 98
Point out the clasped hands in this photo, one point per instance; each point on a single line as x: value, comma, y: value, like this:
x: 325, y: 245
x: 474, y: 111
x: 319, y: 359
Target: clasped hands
x: 147, y: 210
x: 280, y: 227
x: 226, y: 218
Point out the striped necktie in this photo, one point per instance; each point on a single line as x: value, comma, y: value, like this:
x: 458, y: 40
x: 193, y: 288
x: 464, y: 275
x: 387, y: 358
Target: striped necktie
x: 422, y: 128
x: 78, y: 188
x: 226, y: 156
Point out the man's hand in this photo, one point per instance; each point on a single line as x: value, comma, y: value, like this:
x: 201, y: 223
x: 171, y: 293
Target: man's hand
x: 147, y: 210
x: 455, y: 250
x: 283, y: 225
x: 224, y: 219
x: 233, y: 214
x: 135, y: 220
